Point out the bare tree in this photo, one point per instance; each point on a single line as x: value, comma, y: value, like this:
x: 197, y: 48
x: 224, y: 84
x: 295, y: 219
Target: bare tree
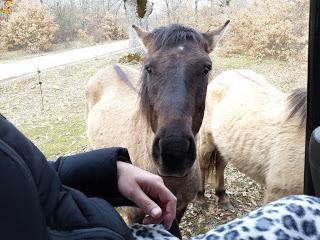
x: 240, y: 3
x: 196, y: 9
x: 137, y: 13
x: 171, y: 8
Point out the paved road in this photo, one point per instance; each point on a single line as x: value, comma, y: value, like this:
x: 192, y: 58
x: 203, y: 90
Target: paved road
x: 20, y: 68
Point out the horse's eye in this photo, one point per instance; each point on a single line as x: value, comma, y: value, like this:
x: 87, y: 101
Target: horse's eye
x: 148, y: 69
x: 207, y: 69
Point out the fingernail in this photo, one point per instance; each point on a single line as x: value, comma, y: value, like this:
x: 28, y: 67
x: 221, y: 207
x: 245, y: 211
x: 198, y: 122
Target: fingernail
x: 155, y: 212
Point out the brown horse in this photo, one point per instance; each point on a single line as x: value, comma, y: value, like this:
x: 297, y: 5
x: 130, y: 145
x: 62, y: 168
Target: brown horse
x: 157, y: 123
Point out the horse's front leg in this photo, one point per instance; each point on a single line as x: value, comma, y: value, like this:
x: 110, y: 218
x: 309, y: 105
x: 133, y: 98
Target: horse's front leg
x: 223, y: 198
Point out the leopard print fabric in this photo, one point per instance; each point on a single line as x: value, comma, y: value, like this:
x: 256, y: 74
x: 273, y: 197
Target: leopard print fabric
x: 151, y: 231
x: 291, y: 218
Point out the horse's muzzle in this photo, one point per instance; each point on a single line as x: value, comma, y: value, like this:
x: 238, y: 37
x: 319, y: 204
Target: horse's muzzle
x: 174, y: 155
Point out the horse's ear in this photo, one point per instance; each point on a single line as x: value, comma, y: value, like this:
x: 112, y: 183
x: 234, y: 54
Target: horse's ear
x: 145, y: 36
x: 212, y: 37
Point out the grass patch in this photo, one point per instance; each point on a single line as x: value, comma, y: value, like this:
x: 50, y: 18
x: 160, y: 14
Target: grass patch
x: 245, y: 62
x: 59, y: 136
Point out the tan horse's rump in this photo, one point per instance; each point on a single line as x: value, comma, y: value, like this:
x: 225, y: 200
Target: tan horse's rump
x: 158, y: 122
x: 257, y: 128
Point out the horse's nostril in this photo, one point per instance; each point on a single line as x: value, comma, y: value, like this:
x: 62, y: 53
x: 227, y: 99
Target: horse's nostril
x: 156, y: 148
x: 192, y: 148
x: 188, y: 145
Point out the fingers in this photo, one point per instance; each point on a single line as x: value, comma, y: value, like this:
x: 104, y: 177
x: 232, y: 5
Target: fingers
x: 166, y: 212
x: 146, y: 204
x: 137, y: 185
x: 167, y: 217
x: 170, y: 213
x: 168, y: 203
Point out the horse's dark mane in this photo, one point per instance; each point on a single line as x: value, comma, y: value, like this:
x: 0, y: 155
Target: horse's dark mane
x: 297, y: 102
x: 175, y: 34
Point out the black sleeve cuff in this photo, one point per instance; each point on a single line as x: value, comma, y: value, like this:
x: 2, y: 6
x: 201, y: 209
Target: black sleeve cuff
x: 94, y: 173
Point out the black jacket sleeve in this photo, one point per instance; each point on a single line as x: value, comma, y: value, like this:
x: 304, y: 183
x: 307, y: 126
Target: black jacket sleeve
x: 29, y: 183
x: 94, y: 173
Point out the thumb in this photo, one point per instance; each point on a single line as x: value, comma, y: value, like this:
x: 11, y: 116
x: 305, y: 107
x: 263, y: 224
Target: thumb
x: 147, y: 205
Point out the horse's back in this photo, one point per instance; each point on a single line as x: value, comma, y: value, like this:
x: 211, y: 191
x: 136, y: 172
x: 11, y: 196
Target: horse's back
x: 111, y: 102
x: 240, y: 80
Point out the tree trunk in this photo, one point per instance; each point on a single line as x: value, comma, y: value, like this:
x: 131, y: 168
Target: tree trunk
x: 131, y: 8
x: 168, y: 11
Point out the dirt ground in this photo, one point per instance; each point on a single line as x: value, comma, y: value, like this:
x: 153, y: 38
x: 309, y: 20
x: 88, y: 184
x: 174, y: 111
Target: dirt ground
x: 59, y: 127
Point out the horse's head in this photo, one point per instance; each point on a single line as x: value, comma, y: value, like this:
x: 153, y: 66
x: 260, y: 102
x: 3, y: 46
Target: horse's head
x: 173, y: 90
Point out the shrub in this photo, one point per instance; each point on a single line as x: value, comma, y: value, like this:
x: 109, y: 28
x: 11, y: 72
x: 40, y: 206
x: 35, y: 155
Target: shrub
x: 86, y: 21
x: 30, y: 26
x: 84, y: 37
x: 111, y: 29
x: 67, y: 16
x: 3, y: 45
x: 270, y: 29
x: 103, y: 29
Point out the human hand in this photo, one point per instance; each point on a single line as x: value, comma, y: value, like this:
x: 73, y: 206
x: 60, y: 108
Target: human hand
x: 140, y: 186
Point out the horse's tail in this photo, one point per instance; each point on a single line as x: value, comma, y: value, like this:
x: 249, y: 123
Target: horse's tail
x: 206, y: 151
x: 211, y: 166
x: 297, y: 105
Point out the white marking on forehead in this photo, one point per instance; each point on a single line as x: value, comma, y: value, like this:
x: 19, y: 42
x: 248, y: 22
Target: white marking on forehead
x: 181, y: 48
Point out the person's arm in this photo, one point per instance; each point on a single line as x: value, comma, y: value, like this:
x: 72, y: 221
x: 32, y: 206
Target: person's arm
x: 106, y: 173
x: 94, y: 173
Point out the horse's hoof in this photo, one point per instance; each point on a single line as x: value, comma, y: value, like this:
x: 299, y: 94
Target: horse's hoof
x: 225, y: 205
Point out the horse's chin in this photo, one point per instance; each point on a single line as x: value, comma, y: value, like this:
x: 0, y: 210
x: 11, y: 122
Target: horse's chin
x: 175, y: 175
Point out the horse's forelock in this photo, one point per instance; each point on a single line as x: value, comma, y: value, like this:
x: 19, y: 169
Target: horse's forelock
x: 175, y: 34
x: 297, y: 104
